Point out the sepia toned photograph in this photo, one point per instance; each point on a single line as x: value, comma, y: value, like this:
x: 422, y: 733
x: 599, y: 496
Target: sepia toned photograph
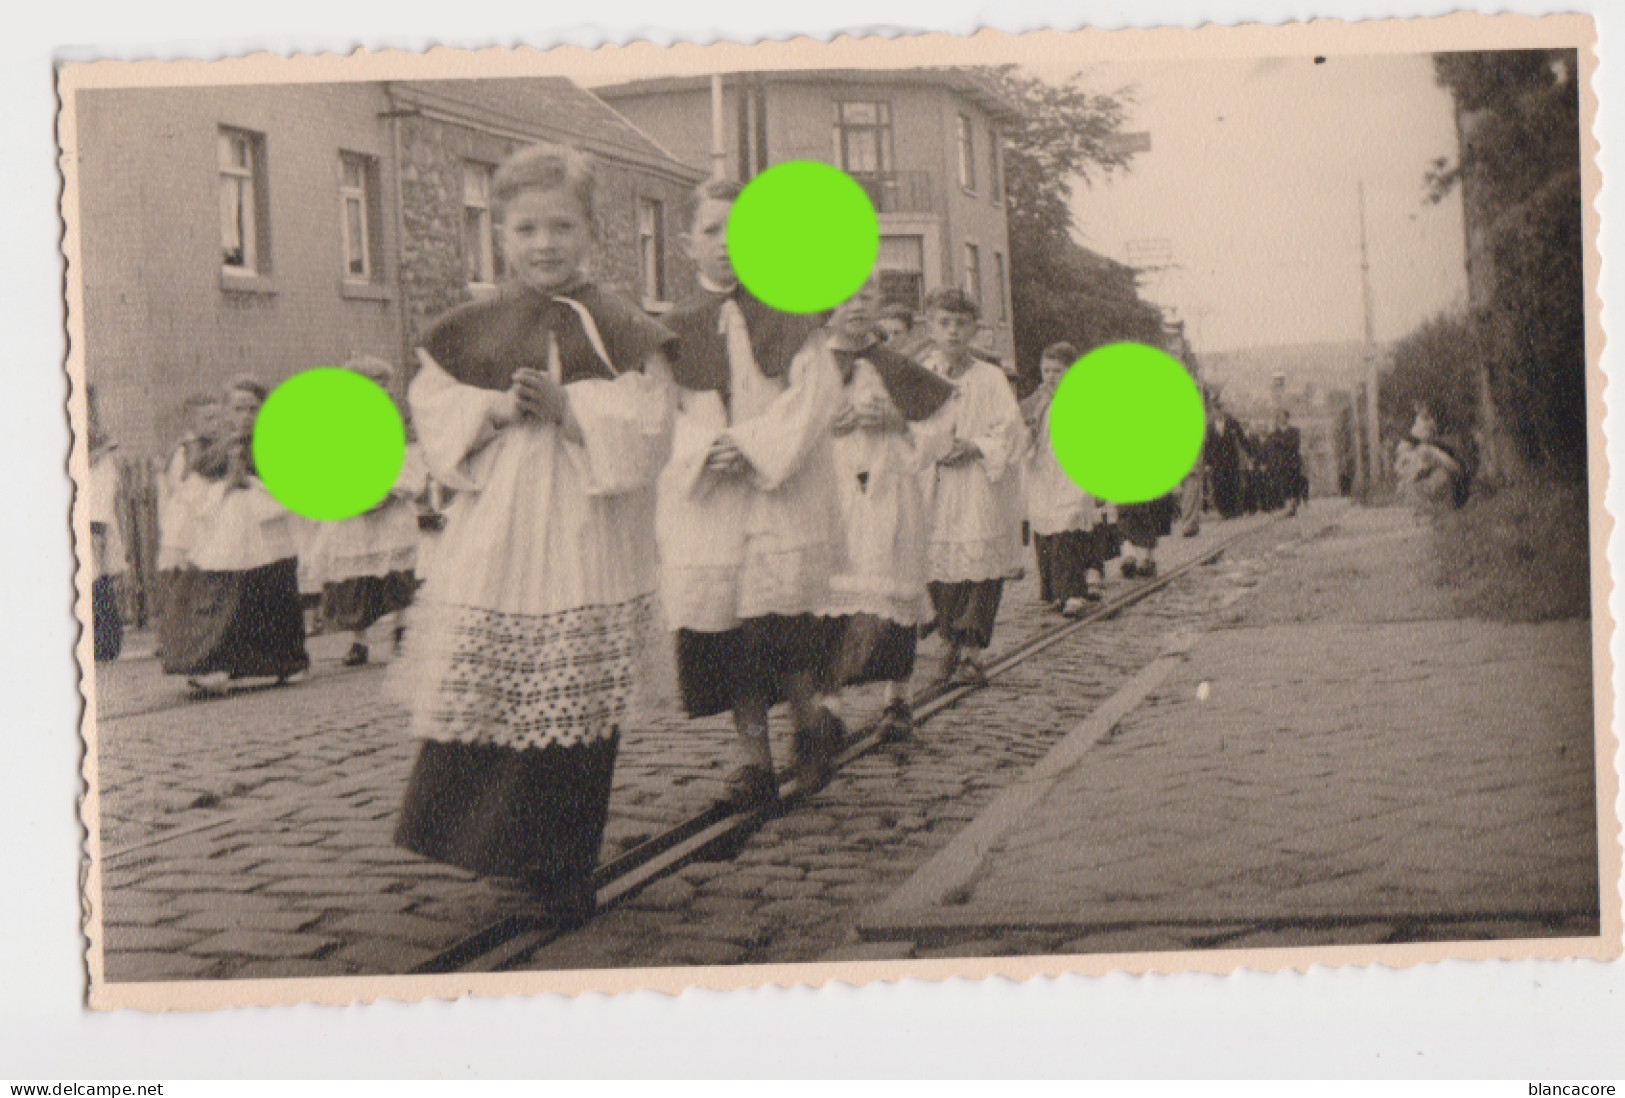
x: 693, y: 639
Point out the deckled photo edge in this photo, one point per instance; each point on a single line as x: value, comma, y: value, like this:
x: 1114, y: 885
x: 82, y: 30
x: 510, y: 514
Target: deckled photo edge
x: 1457, y: 31
x: 78, y: 466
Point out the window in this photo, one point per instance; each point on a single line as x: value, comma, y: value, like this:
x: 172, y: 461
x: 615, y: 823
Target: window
x: 244, y: 220
x: 967, y: 155
x: 481, y: 264
x: 651, y: 249
x: 901, y: 267
x: 359, y: 217
x: 995, y: 173
x: 863, y: 137
x: 999, y: 285
x: 973, y: 273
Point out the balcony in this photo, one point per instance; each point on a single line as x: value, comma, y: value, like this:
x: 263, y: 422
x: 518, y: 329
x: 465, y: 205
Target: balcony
x: 897, y: 192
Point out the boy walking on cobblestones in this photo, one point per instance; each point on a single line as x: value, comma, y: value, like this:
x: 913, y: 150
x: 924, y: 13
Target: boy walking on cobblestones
x: 747, y: 521
x: 975, y: 539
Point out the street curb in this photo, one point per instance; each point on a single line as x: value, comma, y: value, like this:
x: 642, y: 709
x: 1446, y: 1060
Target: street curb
x: 956, y: 866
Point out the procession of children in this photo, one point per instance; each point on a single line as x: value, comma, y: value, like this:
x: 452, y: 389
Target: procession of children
x: 778, y: 507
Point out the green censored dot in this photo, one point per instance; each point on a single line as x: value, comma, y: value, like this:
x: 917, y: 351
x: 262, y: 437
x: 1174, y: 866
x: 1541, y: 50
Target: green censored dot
x: 329, y: 443
x: 803, y: 236
x: 1127, y: 423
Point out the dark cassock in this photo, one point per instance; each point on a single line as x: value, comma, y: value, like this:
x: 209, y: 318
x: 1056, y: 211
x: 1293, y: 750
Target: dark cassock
x: 1223, y: 454
x: 1284, y: 467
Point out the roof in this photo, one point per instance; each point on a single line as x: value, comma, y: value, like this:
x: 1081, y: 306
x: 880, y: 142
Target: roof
x: 979, y: 89
x: 544, y: 108
x: 1340, y: 362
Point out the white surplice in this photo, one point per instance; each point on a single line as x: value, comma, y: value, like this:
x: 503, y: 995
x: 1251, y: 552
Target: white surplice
x: 108, y: 549
x: 376, y: 542
x: 536, y: 623
x: 741, y: 546
x: 975, y: 508
x: 181, y: 494
x: 239, y: 529
x: 880, y: 478
x: 1055, y: 503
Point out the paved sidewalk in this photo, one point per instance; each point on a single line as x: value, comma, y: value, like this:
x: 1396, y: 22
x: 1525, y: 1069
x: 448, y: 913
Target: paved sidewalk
x: 1346, y: 763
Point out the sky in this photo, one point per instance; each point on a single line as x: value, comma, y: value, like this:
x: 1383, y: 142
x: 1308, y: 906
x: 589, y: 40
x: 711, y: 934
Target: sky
x: 1251, y: 189
x: 1250, y: 194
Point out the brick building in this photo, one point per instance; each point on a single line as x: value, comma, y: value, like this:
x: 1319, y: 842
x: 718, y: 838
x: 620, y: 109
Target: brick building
x: 267, y: 229
x: 924, y: 143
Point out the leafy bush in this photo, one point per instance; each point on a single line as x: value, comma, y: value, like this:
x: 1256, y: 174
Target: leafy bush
x: 1437, y: 364
x: 1518, y: 554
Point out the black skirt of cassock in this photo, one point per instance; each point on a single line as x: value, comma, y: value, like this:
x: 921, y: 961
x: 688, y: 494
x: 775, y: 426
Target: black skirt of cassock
x: 357, y: 602
x: 1143, y: 523
x: 1064, y: 561
x: 107, y: 626
x: 716, y: 670
x: 536, y: 813
x: 247, y: 624
x: 874, y: 649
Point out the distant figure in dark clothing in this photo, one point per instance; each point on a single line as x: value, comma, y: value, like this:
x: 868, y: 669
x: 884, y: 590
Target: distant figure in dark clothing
x: 1285, y: 484
x: 1346, y: 448
x: 1253, y: 481
x: 1222, y: 454
x: 107, y: 550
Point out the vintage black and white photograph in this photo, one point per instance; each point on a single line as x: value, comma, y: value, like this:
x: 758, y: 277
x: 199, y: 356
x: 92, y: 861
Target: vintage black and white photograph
x: 697, y: 638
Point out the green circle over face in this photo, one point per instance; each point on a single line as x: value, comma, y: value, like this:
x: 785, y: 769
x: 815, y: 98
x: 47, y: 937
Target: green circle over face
x: 329, y: 443
x: 803, y: 236
x: 1127, y: 423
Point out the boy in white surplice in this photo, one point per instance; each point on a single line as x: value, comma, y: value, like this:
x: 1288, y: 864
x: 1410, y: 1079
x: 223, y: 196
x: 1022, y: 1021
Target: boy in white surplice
x: 548, y: 409
x: 747, y: 522
x: 895, y: 426
x: 975, y: 535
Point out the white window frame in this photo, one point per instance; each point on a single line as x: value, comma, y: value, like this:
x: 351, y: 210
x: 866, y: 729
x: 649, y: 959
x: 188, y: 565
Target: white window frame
x: 1001, y: 279
x: 359, y: 194
x: 995, y: 167
x: 914, y: 244
x: 480, y: 270
x: 882, y: 129
x: 651, y: 248
x: 244, y: 179
x: 967, y: 154
x: 972, y: 273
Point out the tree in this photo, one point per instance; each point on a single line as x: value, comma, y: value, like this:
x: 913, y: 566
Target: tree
x: 1060, y: 290
x: 1518, y: 116
x: 1437, y: 364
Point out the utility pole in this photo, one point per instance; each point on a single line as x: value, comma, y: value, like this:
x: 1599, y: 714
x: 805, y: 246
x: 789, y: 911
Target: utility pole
x: 719, y: 139
x: 1373, y: 447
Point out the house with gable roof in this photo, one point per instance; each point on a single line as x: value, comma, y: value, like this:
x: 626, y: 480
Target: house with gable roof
x: 266, y: 229
x: 925, y: 143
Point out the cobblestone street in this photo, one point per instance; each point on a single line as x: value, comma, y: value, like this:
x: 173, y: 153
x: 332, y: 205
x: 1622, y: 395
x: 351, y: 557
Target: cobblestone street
x: 250, y: 836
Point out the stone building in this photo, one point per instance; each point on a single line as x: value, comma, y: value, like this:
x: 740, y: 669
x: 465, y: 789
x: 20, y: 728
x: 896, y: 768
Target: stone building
x: 925, y: 144
x: 268, y: 229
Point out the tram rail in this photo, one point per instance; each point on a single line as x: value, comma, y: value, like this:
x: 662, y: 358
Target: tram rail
x: 506, y: 943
